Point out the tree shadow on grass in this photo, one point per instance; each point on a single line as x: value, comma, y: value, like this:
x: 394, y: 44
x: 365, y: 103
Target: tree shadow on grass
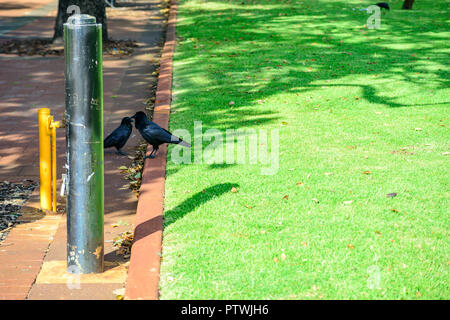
x: 291, y: 47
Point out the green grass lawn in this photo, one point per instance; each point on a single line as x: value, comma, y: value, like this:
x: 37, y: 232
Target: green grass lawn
x: 361, y: 113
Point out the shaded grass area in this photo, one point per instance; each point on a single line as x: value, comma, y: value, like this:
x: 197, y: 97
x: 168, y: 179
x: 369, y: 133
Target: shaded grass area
x: 361, y: 113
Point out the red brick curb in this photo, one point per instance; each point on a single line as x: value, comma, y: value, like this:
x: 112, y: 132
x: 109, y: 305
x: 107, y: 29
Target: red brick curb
x: 143, y: 272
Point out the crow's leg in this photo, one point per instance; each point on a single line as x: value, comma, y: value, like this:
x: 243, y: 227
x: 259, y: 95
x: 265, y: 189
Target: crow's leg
x: 156, y: 151
x: 121, y: 152
x: 152, y: 154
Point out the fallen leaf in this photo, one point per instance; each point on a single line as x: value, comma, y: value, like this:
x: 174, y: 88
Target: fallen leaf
x: 418, y: 129
x: 328, y: 173
x: 348, y: 202
x: 300, y: 184
x: 351, y: 246
x: 391, y: 195
x: 283, y: 256
x: 275, y: 259
x: 315, y: 200
x: 233, y: 189
x: 394, y: 210
x: 285, y: 197
x: 367, y: 172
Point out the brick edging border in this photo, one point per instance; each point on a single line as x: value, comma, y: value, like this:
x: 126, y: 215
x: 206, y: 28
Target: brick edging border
x: 145, y: 261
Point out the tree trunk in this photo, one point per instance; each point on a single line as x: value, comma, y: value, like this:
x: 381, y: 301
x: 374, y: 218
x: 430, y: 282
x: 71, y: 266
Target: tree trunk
x: 94, y: 8
x: 408, y: 4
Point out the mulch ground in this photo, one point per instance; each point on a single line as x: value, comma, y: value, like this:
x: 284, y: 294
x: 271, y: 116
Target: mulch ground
x: 45, y: 47
x: 12, y: 197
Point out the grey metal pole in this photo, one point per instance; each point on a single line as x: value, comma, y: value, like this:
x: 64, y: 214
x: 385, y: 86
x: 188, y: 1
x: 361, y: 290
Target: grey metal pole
x: 84, y: 142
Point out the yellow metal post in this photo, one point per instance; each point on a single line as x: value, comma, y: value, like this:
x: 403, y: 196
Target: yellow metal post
x: 44, y: 158
x: 53, y: 126
x: 54, y: 167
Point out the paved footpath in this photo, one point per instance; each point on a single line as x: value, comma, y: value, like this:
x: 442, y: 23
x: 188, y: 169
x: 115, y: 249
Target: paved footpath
x: 16, y: 14
x: 32, y: 257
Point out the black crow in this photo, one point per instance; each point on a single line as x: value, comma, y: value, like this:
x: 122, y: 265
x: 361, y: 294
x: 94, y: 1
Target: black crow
x: 383, y: 5
x: 119, y: 136
x: 154, y: 134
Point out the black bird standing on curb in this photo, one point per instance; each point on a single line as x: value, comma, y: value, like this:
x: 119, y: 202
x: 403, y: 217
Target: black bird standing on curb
x: 154, y: 134
x: 119, y: 136
x: 383, y: 5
